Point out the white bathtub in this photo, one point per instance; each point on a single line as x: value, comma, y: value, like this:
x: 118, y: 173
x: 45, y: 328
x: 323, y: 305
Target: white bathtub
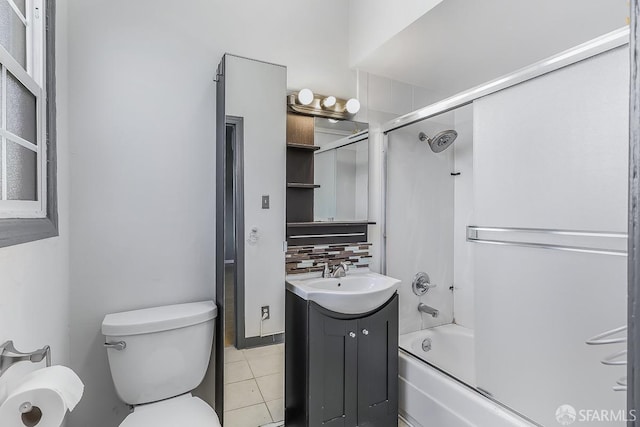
x: 430, y: 398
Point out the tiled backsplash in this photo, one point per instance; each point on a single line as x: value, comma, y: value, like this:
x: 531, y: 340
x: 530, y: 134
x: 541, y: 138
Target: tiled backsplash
x: 306, y: 259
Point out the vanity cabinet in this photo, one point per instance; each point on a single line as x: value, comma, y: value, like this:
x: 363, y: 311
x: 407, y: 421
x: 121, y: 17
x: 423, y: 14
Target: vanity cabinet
x: 341, y: 370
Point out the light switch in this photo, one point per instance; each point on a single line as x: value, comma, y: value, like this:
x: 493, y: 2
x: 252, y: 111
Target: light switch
x: 265, y: 202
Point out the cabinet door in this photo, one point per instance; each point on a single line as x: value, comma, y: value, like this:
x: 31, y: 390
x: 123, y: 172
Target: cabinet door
x: 332, y: 371
x: 378, y: 368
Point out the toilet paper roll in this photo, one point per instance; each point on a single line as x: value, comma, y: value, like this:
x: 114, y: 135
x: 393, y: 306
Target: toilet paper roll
x: 42, y: 398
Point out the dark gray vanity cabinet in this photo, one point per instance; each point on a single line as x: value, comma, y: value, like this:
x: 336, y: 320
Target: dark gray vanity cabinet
x: 341, y: 370
x: 333, y: 364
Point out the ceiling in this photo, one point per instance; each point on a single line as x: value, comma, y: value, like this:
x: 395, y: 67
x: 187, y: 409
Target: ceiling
x: 460, y: 44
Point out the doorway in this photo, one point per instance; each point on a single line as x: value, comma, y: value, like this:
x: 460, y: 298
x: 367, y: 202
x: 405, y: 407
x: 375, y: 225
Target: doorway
x: 234, y: 230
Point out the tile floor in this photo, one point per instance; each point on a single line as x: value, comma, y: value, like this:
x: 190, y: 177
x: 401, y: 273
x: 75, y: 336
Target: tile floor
x: 254, y: 386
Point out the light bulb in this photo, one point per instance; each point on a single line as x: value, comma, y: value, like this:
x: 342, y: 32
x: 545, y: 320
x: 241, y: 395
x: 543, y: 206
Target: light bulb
x: 305, y: 96
x: 353, y: 106
x: 329, y: 101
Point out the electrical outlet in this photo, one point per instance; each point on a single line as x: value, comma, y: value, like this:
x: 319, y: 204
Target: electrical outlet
x: 266, y: 313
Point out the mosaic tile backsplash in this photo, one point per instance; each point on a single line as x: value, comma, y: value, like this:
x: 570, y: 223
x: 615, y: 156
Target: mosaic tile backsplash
x: 307, y: 259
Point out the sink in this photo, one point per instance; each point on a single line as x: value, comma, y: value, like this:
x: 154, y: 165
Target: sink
x: 353, y: 294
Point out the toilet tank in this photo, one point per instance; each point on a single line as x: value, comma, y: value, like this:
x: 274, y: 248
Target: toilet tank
x: 166, y: 350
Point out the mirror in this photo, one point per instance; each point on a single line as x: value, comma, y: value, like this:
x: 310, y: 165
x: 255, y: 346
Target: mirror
x: 341, y: 169
x: 250, y: 228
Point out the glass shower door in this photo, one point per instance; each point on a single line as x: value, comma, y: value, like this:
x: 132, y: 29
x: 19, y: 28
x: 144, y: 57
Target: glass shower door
x: 551, y: 155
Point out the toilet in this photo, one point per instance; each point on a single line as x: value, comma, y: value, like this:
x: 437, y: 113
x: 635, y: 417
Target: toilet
x: 157, y: 357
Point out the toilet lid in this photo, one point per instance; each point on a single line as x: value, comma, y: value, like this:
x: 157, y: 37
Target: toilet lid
x: 184, y: 410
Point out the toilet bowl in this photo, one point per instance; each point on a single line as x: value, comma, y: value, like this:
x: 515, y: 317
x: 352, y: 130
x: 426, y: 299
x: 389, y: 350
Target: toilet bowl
x: 157, y: 357
x: 184, y: 410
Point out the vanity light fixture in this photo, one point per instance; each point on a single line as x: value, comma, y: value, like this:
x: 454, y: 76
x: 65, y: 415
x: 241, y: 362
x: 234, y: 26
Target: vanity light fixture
x: 353, y: 106
x: 310, y: 104
x: 305, y: 96
x: 329, y: 102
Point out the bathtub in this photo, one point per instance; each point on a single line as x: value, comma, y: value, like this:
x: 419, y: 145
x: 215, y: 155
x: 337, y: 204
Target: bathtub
x: 429, y: 397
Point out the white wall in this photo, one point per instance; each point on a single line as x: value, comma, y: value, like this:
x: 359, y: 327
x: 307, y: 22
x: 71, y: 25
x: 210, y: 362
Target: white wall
x: 459, y: 44
x: 375, y: 208
x: 417, y: 180
x: 373, y: 22
x: 420, y: 221
x: 254, y: 91
x: 34, y: 277
x: 142, y: 103
x: 463, y: 270
x: 382, y: 100
x: 384, y: 95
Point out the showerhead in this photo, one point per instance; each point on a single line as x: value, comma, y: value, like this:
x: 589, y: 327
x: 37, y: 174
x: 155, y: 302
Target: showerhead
x: 441, y: 141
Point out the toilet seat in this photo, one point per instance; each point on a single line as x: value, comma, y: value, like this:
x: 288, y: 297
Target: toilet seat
x: 184, y: 410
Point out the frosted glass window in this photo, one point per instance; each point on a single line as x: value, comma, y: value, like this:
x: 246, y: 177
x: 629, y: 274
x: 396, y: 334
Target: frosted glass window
x: 24, y: 70
x: 13, y: 33
x: 22, y: 173
x: 21, y: 110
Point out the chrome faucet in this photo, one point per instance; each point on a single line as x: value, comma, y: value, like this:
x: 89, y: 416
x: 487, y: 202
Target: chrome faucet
x: 339, y: 270
x: 423, y: 308
x: 326, y: 272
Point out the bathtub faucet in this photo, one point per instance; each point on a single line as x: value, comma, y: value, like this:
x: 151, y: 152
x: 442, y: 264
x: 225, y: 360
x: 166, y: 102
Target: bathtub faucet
x: 423, y: 308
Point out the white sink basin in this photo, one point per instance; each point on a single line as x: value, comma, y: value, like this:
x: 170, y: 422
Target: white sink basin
x: 353, y: 294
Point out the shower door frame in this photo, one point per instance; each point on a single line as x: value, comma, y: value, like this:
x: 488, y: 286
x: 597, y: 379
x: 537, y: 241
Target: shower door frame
x: 615, y: 39
x: 599, y: 45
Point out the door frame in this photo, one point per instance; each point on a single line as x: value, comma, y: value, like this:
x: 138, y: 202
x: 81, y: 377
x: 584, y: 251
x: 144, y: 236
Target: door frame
x: 219, y: 238
x: 237, y: 123
x: 633, y: 311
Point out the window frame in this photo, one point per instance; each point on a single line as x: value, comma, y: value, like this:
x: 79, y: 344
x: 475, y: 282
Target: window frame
x: 14, y: 231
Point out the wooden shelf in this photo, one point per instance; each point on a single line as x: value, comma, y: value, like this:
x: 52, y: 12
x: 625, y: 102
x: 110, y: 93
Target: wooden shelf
x: 301, y: 185
x: 300, y: 155
x: 302, y: 146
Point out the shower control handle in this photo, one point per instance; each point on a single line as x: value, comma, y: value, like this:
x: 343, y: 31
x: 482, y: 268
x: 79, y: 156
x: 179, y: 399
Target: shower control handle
x: 421, y: 283
x: 352, y: 334
x: 365, y: 332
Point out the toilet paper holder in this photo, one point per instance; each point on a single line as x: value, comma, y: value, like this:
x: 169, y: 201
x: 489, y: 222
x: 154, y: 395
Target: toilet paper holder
x: 10, y: 356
